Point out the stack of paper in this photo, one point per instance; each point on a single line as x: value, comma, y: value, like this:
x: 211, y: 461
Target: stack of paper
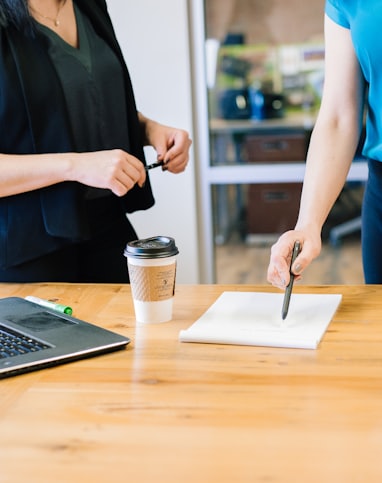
x: 254, y: 318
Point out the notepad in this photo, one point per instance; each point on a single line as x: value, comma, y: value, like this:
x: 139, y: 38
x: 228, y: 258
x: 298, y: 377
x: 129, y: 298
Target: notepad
x: 254, y: 318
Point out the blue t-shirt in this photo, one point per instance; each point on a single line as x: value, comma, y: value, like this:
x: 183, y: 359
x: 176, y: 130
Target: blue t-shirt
x: 364, y: 19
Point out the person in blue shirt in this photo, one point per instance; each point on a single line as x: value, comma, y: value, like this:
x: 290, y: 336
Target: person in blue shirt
x: 72, y: 140
x: 352, y: 95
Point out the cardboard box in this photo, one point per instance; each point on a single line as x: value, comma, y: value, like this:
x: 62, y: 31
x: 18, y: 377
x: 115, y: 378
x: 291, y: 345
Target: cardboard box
x: 280, y: 148
x: 272, y: 208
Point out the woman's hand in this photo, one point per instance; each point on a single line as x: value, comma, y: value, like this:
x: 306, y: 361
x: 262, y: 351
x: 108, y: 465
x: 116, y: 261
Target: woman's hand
x: 171, y: 144
x: 281, y: 252
x: 115, y: 170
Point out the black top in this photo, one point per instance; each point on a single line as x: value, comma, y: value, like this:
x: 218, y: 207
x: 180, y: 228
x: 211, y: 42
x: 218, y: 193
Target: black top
x: 35, y: 118
x: 91, y: 77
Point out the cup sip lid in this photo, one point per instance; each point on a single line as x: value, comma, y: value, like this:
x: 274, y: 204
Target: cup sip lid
x: 154, y: 247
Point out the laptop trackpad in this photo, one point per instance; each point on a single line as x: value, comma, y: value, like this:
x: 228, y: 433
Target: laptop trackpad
x: 39, y: 321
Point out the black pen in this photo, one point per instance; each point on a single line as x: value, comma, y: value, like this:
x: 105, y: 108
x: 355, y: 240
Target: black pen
x: 289, y: 287
x: 154, y: 165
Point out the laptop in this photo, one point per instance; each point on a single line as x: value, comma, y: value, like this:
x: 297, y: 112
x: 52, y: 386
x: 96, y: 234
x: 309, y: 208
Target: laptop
x: 34, y: 337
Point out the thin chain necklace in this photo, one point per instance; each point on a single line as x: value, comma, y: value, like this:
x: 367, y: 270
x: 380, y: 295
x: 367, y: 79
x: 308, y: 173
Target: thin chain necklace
x: 55, y: 20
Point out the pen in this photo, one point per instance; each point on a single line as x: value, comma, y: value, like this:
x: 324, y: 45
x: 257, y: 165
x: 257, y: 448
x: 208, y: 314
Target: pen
x: 64, y: 309
x: 154, y: 165
x: 289, y: 287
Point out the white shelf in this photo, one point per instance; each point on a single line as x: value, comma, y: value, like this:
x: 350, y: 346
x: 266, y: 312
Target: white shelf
x: 272, y: 173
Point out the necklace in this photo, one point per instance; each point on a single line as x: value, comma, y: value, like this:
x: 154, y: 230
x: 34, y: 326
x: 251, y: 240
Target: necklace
x: 55, y: 20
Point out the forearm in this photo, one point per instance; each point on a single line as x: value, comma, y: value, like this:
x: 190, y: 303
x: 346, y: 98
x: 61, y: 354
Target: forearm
x: 20, y: 173
x: 146, y: 127
x: 331, y: 150
x: 114, y: 170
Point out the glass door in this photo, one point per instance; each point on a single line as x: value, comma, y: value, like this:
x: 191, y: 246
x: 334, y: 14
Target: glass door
x: 258, y: 86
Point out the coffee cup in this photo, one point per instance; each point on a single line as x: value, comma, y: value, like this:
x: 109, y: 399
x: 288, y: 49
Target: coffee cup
x: 151, y: 265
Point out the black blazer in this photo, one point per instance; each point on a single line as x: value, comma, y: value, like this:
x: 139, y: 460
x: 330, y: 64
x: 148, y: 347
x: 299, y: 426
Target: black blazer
x: 33, y: 119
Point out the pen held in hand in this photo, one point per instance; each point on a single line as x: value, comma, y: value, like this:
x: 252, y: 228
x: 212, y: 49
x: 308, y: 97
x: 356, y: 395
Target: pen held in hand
x: 154, y: 165
x: 289, y: 287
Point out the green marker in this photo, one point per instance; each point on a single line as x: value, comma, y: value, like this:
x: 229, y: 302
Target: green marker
x: 64, y: 309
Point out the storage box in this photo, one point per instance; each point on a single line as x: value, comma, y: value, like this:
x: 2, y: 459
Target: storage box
x: 285, y: 147
x: 272, y: 208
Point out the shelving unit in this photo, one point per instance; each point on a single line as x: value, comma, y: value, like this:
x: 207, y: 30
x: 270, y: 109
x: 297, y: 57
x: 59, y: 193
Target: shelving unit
x: 227, y: 165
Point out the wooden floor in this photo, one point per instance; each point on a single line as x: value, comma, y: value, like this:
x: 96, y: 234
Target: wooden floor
x: 244, y: 258
x: 247, y: 264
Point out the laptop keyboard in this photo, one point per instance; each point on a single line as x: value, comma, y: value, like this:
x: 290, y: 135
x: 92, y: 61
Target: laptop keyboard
x: 13, y: 343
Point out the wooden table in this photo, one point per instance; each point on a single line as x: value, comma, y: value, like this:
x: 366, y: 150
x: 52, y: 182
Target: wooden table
x: 167, y: 411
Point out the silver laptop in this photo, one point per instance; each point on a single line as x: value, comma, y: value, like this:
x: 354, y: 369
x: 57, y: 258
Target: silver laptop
x: 34, y: 337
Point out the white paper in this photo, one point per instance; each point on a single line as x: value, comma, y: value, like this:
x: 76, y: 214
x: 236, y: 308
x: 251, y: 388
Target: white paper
x: 254, y: 318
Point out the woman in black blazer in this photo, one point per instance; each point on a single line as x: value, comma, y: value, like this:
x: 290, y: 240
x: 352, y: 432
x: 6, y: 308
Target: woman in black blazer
x: 71, y: 145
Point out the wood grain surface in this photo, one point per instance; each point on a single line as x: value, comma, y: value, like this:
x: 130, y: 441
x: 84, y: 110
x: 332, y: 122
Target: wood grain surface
x: 165, y: 411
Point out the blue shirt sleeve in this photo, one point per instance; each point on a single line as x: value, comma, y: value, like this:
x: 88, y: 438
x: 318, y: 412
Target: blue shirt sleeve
x: 334, y: 12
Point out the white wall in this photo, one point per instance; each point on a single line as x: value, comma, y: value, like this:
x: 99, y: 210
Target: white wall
x: 154, y: 37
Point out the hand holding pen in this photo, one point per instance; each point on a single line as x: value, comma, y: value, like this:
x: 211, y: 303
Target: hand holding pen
x: 171, y: 144
x: 289, y: 287
x: 155, y: 165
